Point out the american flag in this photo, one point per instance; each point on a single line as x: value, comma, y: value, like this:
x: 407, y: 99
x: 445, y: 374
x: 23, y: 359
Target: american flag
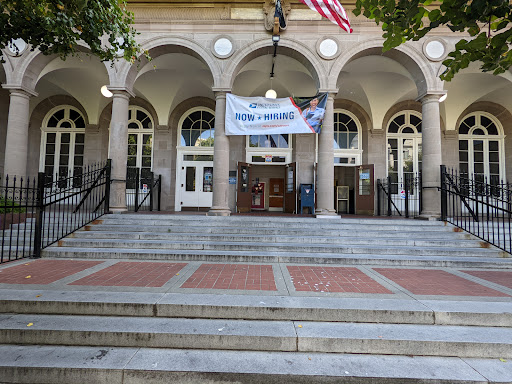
x: 332, y: 10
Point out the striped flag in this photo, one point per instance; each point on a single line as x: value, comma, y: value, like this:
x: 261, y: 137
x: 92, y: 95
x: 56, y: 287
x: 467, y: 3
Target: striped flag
x: 332, y: 10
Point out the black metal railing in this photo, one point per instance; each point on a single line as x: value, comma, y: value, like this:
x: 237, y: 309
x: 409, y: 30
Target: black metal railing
x: 36, y: 214
x: 481, y: 208
x: 18, y: 210
x: 143, y: 190
x: 402, y: 198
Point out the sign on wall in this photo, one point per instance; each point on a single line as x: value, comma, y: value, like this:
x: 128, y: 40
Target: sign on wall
x: 262, y: 116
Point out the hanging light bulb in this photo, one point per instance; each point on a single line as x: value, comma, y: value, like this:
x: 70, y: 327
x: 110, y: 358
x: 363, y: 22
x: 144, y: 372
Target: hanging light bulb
x: 271, y: 94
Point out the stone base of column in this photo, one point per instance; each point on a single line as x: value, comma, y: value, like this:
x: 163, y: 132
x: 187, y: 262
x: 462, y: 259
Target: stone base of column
x: 430, y: 216
x: 326, y: 214
x: 118, y: 196
x: 219, y: 211
x: 117, y: 210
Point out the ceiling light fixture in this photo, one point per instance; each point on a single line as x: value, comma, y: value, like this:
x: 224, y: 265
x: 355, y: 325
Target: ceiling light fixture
x: 271, y: 94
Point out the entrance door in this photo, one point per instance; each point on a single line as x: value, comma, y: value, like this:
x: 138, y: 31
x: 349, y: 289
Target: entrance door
x: 290, y: 191
x: 243, y: 196
x: 196, y: 184
x: 276, y: 195
x: 365, y: 191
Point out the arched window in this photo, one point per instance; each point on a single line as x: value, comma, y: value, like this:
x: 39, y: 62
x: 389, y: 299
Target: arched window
x: 404, y: 147
x: 140, y: 142
x: 198, y: 129
x: 347, y: 138
x: 62, y: 144
x: 481, y: 143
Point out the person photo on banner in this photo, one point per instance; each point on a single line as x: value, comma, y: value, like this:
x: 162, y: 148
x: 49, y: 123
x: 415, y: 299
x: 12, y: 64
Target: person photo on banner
x: 314, y: 114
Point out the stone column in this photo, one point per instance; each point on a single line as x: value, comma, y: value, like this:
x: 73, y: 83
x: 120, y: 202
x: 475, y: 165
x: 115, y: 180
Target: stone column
x: 118, y: 150
x: 432, y: 158
x: 16, y: 142
x: 325, y: 179
x: 220, y: 205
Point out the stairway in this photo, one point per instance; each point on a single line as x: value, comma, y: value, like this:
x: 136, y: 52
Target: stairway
x: 283, y: 239
x: 76, y: 334
x: 97, y: 337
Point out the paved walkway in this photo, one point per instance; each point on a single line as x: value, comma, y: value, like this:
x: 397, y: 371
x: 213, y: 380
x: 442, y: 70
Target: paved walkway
x: 258, y: 279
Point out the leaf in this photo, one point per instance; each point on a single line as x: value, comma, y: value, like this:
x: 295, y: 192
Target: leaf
x: 28, y: 277
x: 503, y: 360
x: 30, y: 324
x: 38, y: 295
x: 300, y: 326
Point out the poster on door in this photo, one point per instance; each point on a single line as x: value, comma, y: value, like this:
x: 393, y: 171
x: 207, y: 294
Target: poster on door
x: 262, y: 116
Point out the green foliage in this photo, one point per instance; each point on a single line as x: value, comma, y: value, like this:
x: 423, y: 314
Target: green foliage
x: 9, y: 206
x: 56, y: 26
x: 488, y: 22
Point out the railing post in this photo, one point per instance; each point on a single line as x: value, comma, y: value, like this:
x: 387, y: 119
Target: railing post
x: 151, y: 184
x: 378, y: 196
x: 444, y: 194
x: 39, y: 215
x: 107, y: 185
x: 137, y: 186
x: 389, y: 196
x: 159, y: 190
x: 406, y: 190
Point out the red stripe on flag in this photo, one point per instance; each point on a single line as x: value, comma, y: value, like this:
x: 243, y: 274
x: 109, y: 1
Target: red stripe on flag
x: 331, y: 10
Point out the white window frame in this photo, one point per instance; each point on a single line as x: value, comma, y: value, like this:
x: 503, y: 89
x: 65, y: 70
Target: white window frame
x: 181, y: 151
x: 58, y: 131
x: 357, y: 154
x: 416, y: 137
x: 257, y: 151
x: 500, y: 138
x: 140, y: 132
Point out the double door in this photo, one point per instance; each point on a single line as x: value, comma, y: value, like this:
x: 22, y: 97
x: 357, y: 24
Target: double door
x: 196, y: 184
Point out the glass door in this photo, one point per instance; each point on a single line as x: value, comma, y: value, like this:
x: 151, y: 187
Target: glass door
x: 196, y: 184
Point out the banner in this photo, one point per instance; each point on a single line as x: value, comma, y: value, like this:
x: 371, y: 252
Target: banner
x: 261, y: 116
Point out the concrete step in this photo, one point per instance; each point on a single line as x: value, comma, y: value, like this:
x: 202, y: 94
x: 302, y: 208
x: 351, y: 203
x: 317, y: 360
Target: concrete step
x: 265, y: 219
x: 258, y: 335
x: 418, y: 248
x: 268, y: 229
x: 450, y: 239
x: 95, y: 365
x: 248, y: 307
x: 279, y: 257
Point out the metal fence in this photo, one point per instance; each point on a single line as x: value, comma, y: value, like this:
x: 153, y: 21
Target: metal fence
x: 402, y: 198
x: 143, y: 190
x: 481, y: 208
x: 37, y: 213
x: 18, y: 210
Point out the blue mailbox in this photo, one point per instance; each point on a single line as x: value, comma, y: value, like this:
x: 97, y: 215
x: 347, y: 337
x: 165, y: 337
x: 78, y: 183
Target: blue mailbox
x: 307, y: 197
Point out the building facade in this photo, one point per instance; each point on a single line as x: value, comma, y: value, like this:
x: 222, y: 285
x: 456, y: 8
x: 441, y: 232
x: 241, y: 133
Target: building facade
x: 384, y: 114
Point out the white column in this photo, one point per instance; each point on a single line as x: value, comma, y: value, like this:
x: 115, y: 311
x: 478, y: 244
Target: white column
x: 16, y: 143
x: 325, y: 179
x: 118, y: 150
x: 432, y: 158
x: 220, y: 205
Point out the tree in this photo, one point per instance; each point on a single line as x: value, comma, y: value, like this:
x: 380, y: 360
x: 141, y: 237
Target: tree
x: 57, y: 26
x: 487, y: 22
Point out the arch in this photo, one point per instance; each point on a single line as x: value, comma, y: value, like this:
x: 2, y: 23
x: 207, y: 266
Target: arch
x: 127, y: 74
x: 180, y: 110
x: 26, y: 72
x: 201, y: 119
x: 417, y: 65
x: 292, y: 48
x: 503, y: 115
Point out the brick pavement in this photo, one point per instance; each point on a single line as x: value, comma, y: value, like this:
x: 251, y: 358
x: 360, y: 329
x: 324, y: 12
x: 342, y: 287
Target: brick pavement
x: 292, y: 279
